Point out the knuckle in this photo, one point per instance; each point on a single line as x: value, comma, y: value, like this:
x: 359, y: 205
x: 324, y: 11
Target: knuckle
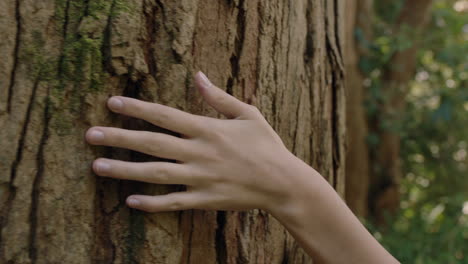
x: 199, y: 125
x: 161, y: 174
x: 213, y: 154
x: 253, y: 109
x: 203, y: 127
x: 218, y: 178
x: 161, y: 117
x: 218, y: 132
x: 175, y: 204
x: 221, y: 98
x: 155, y: 143
x: 153, y: 148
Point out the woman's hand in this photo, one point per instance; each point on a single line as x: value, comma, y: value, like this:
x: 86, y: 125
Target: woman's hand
x: 233, y: 164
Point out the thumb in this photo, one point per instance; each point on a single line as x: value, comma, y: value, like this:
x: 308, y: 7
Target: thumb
x: 223, y: 102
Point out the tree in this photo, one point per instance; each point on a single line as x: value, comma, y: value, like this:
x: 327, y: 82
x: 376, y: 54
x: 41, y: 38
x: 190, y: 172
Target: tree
x: 433, y: 144
x: 383, y: 50
x: 386, y: 172
x: 358, y: 30
x: 61, y: 60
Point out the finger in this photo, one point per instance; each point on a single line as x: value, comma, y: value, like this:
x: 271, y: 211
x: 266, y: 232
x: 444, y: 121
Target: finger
x: 151, y: 172
x: 224, y: 103
x: 175, y: 201
x: 155, y: 144
x: 157, y: 114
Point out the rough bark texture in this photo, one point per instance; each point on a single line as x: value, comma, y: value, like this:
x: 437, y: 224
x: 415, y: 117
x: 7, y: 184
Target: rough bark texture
x: 386, y: 171
x: 61, y: 60
x: 358, y: 16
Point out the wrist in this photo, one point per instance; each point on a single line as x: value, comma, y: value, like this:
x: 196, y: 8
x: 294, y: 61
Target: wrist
x: 319, y: 220
x: 299, y: 184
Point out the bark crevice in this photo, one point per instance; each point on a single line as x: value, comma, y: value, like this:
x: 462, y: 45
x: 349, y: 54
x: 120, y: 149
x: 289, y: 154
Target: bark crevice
x: 189, y: 248
x: 337, y: 28
x: 238, y: 46
x: 336, y: 63
x: 151, y: 31
x: 221, y: 247
x: 336, y: 79
x: 336, y: 147
x: 61, y: 59
x: 16, y: 162
x: 309, y: 47
x: 15, y: 55
x: 298, y: 113
x: 106, y: 48
x: 40, y: 162
x: 285, y: 258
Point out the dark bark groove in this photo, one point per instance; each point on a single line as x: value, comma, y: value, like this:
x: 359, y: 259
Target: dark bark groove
x: 15, y: 54
x: 40, y: 163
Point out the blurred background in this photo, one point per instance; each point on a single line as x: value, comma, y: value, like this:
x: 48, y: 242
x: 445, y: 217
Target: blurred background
x: 407, y: 122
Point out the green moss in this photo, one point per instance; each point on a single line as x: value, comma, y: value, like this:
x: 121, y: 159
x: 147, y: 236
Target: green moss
x: 62, y: 124
x: 82, y: 59
x: 60, y: 10
x: 40, y: 67
x: 82, y: 64
x: 79, y: 69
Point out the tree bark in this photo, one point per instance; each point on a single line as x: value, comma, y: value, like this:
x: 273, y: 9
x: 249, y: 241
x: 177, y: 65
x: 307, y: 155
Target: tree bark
x: 62, y: 59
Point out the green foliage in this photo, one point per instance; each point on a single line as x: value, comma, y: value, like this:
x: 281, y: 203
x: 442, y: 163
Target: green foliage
x: 432, y: 225
x: 433, y: 233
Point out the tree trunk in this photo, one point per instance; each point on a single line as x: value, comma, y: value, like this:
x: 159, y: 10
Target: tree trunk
x: 373, y: 175
x: 386, y: 171
x: 61, y: 60
x: 358, y: 16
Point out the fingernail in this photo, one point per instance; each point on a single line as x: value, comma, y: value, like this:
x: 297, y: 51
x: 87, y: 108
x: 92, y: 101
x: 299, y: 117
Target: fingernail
x: 96, y: 135
x: 102, y: 166
x: 204, y: 80
x: 133, y: 202
x: 115, y: 103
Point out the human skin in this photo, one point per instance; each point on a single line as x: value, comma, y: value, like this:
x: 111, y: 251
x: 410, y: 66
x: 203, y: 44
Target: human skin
x: 238, y: 163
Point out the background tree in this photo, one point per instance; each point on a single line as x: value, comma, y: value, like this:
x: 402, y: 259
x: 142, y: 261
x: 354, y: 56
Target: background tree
x: 61, y: 60
x: 386, y: 172
x: 383, y: 41
x: 358, y: 30
x: 414, y: 83
x: 431, y: 225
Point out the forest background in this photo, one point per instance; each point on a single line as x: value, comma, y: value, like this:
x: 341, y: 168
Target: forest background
x: 413, y: 66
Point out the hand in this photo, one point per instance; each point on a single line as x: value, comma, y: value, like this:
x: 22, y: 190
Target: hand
x: 233, y: 164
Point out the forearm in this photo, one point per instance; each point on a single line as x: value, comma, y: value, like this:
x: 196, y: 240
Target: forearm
x: 322, y: 223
